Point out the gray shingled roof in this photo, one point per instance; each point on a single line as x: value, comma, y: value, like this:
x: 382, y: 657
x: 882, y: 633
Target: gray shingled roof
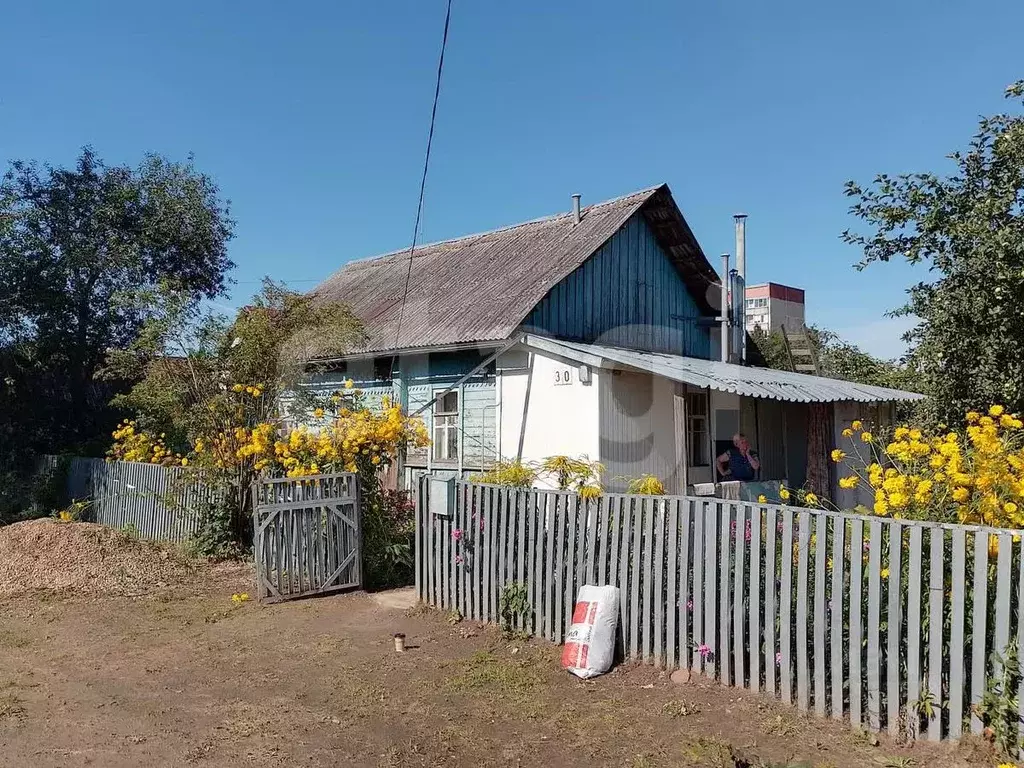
x: 480, y: 287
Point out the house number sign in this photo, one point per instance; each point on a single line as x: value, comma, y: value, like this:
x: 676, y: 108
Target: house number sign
x: 563, y: 376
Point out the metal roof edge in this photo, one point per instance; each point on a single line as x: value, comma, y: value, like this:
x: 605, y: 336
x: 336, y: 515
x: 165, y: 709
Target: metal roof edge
x: 725, y: 377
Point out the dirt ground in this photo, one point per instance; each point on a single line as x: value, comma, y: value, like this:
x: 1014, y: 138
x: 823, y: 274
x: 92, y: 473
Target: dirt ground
x: 179, y: 679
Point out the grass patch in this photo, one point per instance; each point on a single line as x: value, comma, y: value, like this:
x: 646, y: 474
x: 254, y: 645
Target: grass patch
x: 12, y: 640
x: 11, y: 707
x: 486, y: 672
x: 779, y: 725
x: 710, y: 753
x: 675, y: 709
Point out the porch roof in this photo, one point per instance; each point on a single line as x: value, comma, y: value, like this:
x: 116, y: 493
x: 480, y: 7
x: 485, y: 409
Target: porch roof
x: 727, y: 377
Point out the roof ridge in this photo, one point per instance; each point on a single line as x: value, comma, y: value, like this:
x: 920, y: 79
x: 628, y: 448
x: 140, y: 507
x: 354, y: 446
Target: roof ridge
x: 497, y: 230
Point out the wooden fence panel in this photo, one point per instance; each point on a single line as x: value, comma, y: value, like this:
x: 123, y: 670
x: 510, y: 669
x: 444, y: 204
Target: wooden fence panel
x: 844, y: 614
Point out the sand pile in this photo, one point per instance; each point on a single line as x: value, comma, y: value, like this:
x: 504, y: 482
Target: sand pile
x: 85, y: 558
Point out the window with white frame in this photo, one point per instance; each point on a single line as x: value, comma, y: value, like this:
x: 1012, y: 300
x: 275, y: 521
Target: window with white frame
x: 697, y: 436
x: 446, y: 427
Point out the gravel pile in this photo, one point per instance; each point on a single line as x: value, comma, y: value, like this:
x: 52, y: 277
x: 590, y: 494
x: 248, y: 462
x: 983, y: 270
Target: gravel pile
x: 85, y: 558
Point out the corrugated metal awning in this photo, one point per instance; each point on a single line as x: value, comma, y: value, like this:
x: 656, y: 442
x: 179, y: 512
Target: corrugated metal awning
x: 727, y: 377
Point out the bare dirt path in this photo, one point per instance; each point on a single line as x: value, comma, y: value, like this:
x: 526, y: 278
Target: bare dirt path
x: 178, y: 680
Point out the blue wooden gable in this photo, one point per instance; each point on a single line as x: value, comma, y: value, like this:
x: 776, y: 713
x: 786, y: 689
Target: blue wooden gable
x: 627, y: 294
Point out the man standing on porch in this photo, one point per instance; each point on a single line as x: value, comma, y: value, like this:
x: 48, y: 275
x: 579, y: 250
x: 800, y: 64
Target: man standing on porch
x: 739, y: 462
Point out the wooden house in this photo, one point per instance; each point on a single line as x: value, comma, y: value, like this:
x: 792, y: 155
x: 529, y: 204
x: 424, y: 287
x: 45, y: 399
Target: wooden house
x: 592, y: 332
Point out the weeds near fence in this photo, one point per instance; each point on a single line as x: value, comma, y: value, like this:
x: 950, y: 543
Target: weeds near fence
x: 998, y: 708
x: 515, y: 608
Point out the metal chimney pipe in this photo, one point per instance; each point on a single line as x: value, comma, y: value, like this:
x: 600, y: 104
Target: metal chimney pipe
x: 576, y: 215
x: 741, y: 268
x: 725, y: 308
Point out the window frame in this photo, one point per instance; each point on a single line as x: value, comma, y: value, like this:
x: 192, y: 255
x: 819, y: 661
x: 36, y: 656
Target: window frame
x: 698, y: 440
x: 444, y: 449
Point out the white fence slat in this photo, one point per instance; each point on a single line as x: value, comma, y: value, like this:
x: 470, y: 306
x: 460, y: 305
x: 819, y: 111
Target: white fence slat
x: 1001, y: 636
x: 592, y: 527
x: 533, y: 565
x: 418, y: 543
x: 1020, y: 631
x: 856, y: 604
x: 561, y: 523
x: 658, y: 604
x: 771, y: 666
x: 820, y: 649
x: 936, y: 592
x: 550, y: 510
x: 786, y: 608
x: 892, y: 630
x: 978, y: 621
x: 674, y: 575
x: 914, y: 572
x: 697, y: 593
x: 620, y: 566
x: 802, y: 642
x: 836, y: 614
x: 723, y: 648
x: 739, y: 624
x: 873, y: 667
x: 647, y: 575
x: 710, y: 638
x: 569, y: 573
x: 604, y: 526
x: 956, y: 636
x: 755, y: 596
x: 635, y: 576
x: 477, y: 523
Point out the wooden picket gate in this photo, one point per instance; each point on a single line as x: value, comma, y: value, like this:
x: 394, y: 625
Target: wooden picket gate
x: 307, y: 536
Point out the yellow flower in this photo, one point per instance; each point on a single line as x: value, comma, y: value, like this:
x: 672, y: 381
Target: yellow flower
x: 811, y: 499
x: 881, y: 507
x: 1009, y: 507
x: 972, y: 416
x: 256, y: 391
x: 960, y: 494
x: 762, y: 499
x: 237, y: 388
x: 318, y: 413
x: 885, y: 573
x: 847, y: 432
x: 348, y: 384
x: 867, y: 437
x: 857, y: 424
x: 996, y: 410
x: 849, y: 482
x: 838, y: 455
x: 184, y: 461
x: 784, y: 494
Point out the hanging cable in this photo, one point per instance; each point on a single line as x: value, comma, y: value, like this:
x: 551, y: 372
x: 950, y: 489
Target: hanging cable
x: 423, y: 180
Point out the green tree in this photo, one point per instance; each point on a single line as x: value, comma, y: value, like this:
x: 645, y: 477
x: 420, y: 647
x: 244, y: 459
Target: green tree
x: 78, y: 247
x: 967, y: 228
x: 200, y: 375
x: 838, y: 359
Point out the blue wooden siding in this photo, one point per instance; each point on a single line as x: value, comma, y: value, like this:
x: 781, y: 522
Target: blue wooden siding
x: 627, y: 294
x: 423, y: 378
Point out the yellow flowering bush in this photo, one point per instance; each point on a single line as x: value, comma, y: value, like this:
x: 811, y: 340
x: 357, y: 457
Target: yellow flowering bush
x: 352, y: 438
x: 974, y: 477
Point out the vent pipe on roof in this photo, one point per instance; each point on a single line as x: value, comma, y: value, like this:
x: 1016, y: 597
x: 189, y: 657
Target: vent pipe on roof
x: 741, y: 269
x: 576, y: 215
x: 725, y: 308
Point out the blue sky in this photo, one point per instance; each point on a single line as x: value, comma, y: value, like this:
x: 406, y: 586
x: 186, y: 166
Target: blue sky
x: 312, y: 117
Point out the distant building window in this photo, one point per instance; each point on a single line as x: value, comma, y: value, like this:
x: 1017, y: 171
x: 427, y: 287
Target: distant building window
x: 446, y: 427
x: 697, y: 429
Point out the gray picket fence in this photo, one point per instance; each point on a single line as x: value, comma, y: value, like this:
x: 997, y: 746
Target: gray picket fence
x: 155, y: 501
x: 889, y: 624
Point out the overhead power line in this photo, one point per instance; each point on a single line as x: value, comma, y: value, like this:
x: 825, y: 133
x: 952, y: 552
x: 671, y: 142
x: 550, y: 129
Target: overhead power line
x: 423, y: 177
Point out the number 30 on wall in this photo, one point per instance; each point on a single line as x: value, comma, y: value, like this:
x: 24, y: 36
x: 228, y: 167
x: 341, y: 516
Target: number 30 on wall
x: 563, y: 376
